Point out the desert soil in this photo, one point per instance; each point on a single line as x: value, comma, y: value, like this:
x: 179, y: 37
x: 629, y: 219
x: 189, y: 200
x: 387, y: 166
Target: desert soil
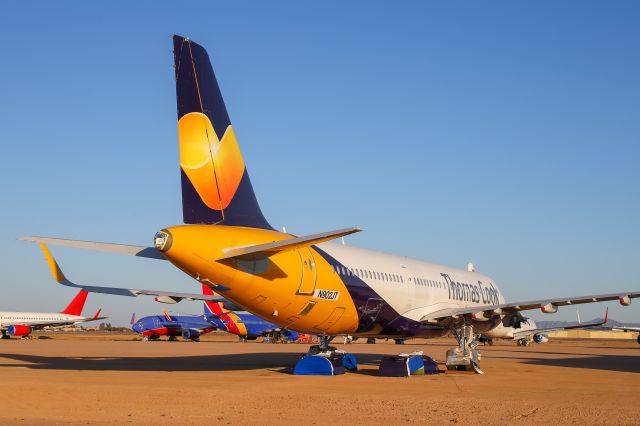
x: 93, y: 379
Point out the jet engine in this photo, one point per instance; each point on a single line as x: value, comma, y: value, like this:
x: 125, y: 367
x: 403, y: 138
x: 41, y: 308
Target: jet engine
x: 190, y: 334
x: 19, y: 330
x: 540, y: 338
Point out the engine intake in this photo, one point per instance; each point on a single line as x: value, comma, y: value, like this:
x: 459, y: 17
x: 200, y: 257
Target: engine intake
x: 190, y: 334
x: 540, y: 338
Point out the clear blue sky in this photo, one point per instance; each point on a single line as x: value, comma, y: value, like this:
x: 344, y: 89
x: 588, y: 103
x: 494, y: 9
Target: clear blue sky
x: 506, y: 133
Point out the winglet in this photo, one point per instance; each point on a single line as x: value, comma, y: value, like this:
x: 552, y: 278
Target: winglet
x: 53, y: 265
x: 97, y: 315
x: 606, y: 315
x: 133, y: 318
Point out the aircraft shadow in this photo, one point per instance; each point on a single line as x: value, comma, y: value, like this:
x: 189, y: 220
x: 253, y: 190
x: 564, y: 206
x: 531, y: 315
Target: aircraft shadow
x: 281, y: 362
x: 226, y: 362
x: 627, y: 364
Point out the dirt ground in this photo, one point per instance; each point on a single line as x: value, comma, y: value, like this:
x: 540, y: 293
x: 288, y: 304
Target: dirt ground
x: 89, y: 379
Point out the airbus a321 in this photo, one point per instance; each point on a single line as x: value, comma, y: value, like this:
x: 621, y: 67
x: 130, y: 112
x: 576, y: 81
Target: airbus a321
x: 305, y: 283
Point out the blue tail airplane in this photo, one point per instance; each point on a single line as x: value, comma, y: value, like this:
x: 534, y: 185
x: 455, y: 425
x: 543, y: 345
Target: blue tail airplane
x: 190, y: 327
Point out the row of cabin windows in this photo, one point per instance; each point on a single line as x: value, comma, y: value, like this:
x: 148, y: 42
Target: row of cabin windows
x: 383, y: 276
x: 25, y: 318
x: 428, y: 283
x: 365, y: 273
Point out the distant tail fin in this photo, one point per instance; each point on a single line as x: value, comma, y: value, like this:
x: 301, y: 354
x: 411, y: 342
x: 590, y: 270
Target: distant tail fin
x: 133, y: 318
x: 216, y: 188
x: 167, y: 316
x: 212, y: 308
x: 77, y: 304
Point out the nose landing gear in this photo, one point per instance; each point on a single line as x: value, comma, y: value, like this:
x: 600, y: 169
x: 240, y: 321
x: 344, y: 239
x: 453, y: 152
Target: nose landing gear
x: 466, y: 356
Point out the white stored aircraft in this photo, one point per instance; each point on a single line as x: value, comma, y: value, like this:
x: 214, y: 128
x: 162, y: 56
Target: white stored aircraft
x: 21, y: 324
x: 305, y: 283
x: 529, y: 331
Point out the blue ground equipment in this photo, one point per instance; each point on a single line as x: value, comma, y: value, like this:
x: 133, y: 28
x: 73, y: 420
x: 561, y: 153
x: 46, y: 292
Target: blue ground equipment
x: 319, y: 365
x: 405, y: 365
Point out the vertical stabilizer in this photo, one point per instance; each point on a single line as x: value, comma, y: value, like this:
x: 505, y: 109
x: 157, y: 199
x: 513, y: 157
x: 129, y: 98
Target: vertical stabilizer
x: 216, y: 188
x: 212, y: 308
x: 77, y: 304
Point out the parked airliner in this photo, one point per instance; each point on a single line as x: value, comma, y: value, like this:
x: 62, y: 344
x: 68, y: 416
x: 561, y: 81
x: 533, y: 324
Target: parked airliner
x: 21, y: 324
x: 189, y: 327
x: 305, y: 283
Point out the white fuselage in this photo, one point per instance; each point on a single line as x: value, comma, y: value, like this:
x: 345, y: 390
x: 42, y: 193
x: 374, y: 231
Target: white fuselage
x: 415, y: 288
x: 37, y: 319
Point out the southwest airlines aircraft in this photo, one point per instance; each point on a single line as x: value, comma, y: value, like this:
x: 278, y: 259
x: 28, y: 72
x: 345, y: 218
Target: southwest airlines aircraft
x: 304, y: 283
x: 190, y: 327
x: 21, y: 324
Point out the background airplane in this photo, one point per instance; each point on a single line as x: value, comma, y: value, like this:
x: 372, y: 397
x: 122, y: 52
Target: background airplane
x: 529, y: 332
x: 21, y: 324
x: 189, y: 327
x: 244, y: 324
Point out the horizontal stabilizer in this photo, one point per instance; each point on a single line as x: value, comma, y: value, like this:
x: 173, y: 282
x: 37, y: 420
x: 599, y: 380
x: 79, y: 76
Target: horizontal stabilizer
x: 289, y: 244
x: 139, y: 251
x: 118, y: 291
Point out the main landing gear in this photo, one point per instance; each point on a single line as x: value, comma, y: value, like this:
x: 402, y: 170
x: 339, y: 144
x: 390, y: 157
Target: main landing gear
x: 322, y: 346
x: 466, y: 356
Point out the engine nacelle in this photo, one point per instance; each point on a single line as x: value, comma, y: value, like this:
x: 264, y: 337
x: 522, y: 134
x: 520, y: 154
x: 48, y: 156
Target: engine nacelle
x: 540, y: 338
x: 19, y: 330
x: 625, y: 301
x: 549, y: 308
x: 190, y: 334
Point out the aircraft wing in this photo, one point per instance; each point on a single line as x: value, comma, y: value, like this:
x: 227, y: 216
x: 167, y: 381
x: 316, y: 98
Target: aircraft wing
x: 546, y: 305
x: 139, y: 251
x: 160, y: 296
x: 520, y: 334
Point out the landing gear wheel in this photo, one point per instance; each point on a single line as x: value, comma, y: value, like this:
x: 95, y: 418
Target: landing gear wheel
x: 173, y: 339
